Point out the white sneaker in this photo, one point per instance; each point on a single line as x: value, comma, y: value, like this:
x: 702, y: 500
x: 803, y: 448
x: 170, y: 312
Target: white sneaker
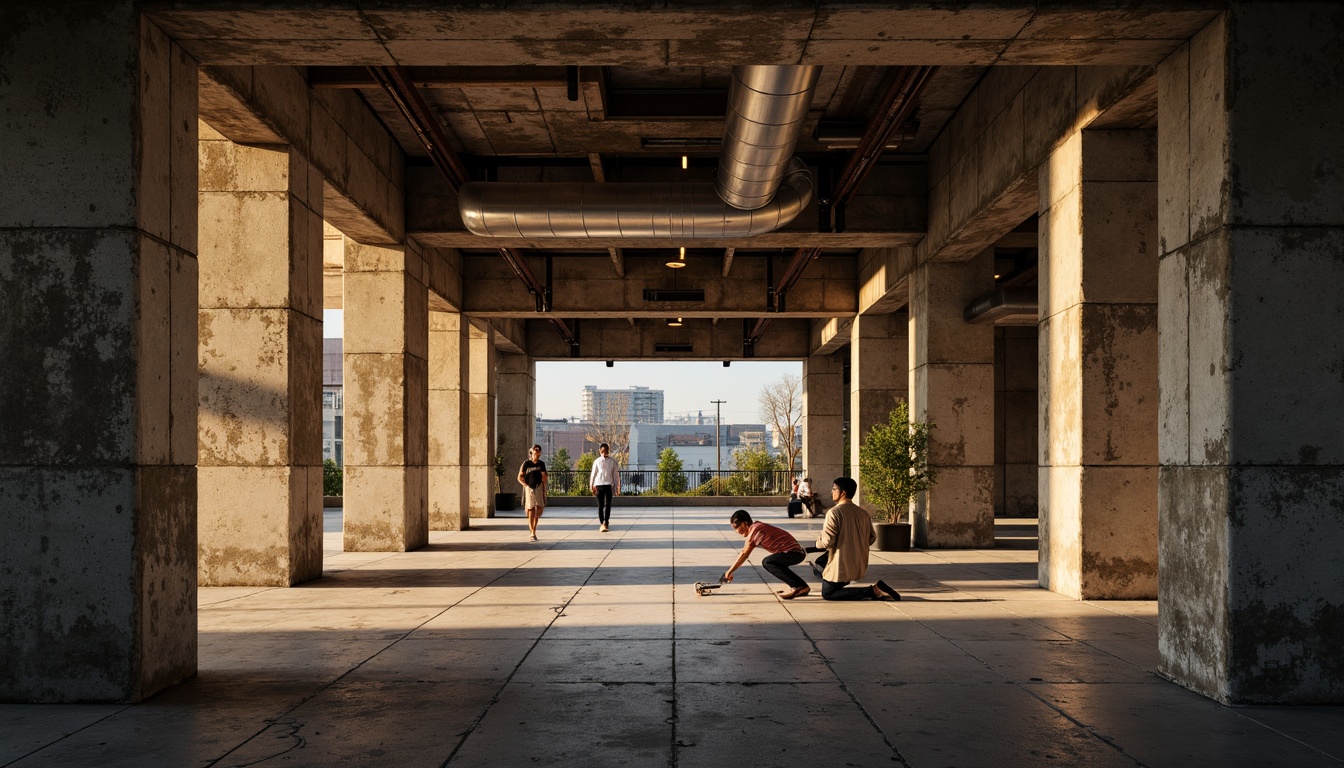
x: 534, y: 537
x: 604, y: 527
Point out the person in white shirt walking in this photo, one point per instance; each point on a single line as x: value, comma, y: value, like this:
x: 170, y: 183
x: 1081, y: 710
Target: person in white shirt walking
x: 605, y: 482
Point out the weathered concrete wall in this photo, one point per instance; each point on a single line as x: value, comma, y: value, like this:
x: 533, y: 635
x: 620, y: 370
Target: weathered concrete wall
x: 98, y: 337
x: 260, y: 465
x: 1252, y: 433
x: 823, y: 421
x: 516, y: 411
x: 879, y: 376
x: 481, y: 378
x: 449, y: 432
x: 386, y: 385
x: 1098, y: 366
x: 952, y: 386
x: 1015, y: 421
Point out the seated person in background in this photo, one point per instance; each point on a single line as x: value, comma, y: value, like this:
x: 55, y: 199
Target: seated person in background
x: 810, y: 501
x: 784, y: 551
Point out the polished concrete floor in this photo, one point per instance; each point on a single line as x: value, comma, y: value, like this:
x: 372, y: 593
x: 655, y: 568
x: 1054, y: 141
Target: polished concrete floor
x: 592, y: 649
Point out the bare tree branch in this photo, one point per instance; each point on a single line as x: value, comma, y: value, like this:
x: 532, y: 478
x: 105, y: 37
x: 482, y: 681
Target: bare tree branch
x: 782, y: 408
x: 611, y: 425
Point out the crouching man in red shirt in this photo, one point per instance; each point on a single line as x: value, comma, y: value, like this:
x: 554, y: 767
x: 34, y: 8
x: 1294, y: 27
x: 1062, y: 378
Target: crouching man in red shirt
x: 784, y: 548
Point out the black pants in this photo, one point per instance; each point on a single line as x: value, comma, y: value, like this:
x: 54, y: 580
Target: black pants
x: 603, y: 503
x: 778, y: 566
x: 836, y: 590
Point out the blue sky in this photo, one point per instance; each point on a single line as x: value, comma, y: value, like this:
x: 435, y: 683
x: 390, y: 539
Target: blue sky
x: 687, y: 386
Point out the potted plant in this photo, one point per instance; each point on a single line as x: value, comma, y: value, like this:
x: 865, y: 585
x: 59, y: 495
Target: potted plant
x: 893, y: 468
x: 504, y: 502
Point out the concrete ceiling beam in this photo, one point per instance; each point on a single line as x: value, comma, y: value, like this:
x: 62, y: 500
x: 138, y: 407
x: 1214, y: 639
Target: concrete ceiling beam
x: 683, y: 34
x: 616, y: 339
x: 361, y: 164
x: 584, y: 287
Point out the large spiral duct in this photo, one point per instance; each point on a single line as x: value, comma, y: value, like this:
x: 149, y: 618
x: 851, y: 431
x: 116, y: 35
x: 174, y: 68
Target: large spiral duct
x: 760, y: 185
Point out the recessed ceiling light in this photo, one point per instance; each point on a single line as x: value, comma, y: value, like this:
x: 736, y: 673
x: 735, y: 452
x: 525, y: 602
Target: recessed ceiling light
x: 680, y: 260
x: 684, y: 162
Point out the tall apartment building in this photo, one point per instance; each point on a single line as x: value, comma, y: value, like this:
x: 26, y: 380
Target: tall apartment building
x: 333, y: 407
x: 636, y: 405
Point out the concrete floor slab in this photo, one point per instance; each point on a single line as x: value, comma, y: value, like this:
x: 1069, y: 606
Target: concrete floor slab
x: 592, y: 649
x: 573, y: 724
x: 988, y: 724
x: 1166, y: 726
x: 615, y: 661
x: 785, y: 725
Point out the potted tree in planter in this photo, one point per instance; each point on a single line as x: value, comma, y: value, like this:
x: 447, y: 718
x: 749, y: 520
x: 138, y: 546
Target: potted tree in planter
x: 893, y: 467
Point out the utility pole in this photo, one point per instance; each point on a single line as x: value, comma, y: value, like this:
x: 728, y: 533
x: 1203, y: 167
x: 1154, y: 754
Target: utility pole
x: 718, y: 454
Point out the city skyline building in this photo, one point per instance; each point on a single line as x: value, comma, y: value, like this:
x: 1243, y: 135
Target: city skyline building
x: 636, y: 405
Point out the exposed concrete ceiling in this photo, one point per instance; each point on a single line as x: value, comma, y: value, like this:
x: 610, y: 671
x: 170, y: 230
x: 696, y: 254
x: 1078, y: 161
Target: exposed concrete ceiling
x: 652, y: 85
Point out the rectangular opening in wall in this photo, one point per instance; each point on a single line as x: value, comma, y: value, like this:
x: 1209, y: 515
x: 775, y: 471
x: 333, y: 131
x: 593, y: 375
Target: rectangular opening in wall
x: 673, y: 348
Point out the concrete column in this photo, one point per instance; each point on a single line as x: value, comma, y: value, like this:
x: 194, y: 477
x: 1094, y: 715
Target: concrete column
x: 823, y: 422
x: 1098, y: 367
x: 879, y: 359
x: 98, y: 340
x: 481, y: 424
x: 1250, y: 308
x: 386, y: 399
x: 449, y: 433
x: 952, y: 385
x: 260, y: 466
x: 515, y: 396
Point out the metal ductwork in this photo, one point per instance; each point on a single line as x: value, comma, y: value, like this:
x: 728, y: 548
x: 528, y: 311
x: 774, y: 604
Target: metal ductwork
x: 629, y: 209
x: 766, y: 110
x: 760, y: 187
x: 1004, y: 306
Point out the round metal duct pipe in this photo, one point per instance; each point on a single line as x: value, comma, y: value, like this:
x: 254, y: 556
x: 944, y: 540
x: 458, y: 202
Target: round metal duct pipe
x: 767, y: 106
x: 626, y: 210
x: 760, y: 185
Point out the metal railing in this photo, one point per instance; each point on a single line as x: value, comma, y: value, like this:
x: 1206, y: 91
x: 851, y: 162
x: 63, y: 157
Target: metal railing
x: 691, y: 482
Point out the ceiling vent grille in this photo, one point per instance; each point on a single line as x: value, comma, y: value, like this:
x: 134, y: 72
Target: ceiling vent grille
x: 673, y: 348
x: 670, y: 294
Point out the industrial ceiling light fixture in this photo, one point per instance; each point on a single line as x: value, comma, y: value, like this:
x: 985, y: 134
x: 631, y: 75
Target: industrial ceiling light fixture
x: 675, y: 323
x: 685, y: 161
x: 680, y: 261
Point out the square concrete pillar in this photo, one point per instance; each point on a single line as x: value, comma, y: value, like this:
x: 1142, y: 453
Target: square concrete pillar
x: 952, y: 385
x: 1098, y: 367
x: 386, y: 356
x: 879, y: 359
x: 481, y: 424
x: 823, y: 421
x: 98, y: 337
x: 449, y: 432
x: 1251, y: 441
x: 260, y: 467
x: 516, y: 420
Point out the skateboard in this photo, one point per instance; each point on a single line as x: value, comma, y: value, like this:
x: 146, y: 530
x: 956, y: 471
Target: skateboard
x: 703, y: 588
